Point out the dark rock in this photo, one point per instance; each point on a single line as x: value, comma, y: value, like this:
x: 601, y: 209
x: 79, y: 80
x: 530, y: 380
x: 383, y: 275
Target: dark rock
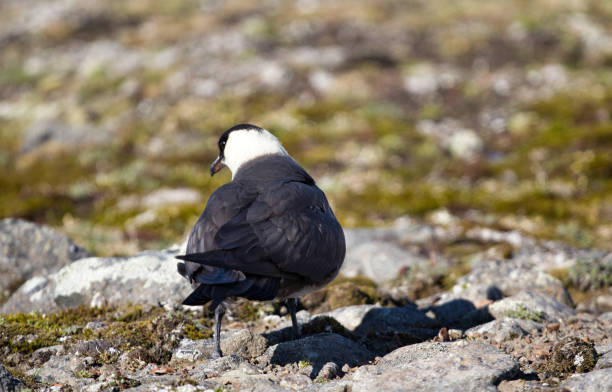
x: 9, y: 383
x: 28, y: 249
x: 147, y: 278
x: 316, y: 351
x: 366, y: 319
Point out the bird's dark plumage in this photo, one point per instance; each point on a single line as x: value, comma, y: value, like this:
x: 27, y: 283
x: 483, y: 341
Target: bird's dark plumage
x: 269, y: 233
x: 270, y: 224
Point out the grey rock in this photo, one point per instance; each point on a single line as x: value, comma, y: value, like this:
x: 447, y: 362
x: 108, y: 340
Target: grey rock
x: 43, y: 354
x: 329, y: 371
x: 295, y: 382
x: 216, y: 367
x: 316, y: 350
x: 455, y: 366
x: 504, y: 329
x: 244, y: 343
x: 379, y: 261
x: 91, y: 348
x: 59, y: 369
x: 606, y: 317
x: 531, y: 305
x: 605, y: 357
x: 28, y: 249
x: 70, y: 136
x: 8, y: 382
x: 147, y: 278
x: 241, y: 342
x: 193, y: 350
x: 595, y: 381
x: 510, y: 277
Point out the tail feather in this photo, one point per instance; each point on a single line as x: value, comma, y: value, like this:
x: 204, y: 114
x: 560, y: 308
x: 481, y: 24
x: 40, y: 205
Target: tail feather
x: 197, y: 297
x: 226, y: 259
x: 259, y: 288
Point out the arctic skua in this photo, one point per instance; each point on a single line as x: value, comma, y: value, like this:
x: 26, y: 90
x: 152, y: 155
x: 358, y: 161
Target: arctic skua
x: 269, y: 233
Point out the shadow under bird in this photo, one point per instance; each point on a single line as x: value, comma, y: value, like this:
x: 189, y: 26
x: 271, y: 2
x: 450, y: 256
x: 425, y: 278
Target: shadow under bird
x: 269, y: 233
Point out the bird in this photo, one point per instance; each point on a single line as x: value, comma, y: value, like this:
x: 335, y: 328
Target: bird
x: 269, y: 233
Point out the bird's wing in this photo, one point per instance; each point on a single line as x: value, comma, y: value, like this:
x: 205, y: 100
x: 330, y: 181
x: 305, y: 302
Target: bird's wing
x: 291, y: 226
x: 225, y: 203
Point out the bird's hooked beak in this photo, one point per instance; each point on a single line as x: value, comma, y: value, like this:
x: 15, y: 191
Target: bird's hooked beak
x: 216, y: 165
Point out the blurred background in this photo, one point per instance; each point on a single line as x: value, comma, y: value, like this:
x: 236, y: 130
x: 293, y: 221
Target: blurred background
x: 467, y: 112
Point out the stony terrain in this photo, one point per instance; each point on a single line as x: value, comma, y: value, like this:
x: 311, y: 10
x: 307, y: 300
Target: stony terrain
x: 473, y: 309
x: 465, y: 146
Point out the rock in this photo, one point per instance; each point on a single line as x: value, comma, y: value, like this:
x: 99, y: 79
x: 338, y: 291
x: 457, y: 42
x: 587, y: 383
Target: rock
x: 215, y: 367
x: 605, y: 357
x: 58, y: 369
x: 244, y: 343
x: 43, y: 354
x: 91, y: 348
x: 448, y: 309
x: 366, y: 319
x: 72, y: 137
x: 193, y: 350
x: 595, y: 381
x: 9, y: 383
x: 504, y: 329
x: 531, y: 305
x: 329, y: 371
x: 455, y: 366
x: 379, y: 261
x: 147, y: 278
x: 28, y: 249
x: 315, y: 350
x: 509, y: 277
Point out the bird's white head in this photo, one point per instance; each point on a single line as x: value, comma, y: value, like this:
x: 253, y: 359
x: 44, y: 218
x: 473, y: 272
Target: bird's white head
x: 242, y: 143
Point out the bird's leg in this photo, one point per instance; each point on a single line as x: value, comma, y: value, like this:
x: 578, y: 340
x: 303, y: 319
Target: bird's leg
x: 219, y: 312
x: 292, y: 307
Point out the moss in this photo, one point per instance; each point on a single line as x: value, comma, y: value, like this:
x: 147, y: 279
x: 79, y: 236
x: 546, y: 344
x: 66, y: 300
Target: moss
x: 84, y: 374
x: 126, y: 329
x: 521, y: 312
x: 570, y: 355
x: 304, y: 364
x: 195, y: 333
x: 245, y: 310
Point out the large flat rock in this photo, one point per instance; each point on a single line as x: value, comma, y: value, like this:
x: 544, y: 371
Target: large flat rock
x: 147, y: 278
x: 458, y: 366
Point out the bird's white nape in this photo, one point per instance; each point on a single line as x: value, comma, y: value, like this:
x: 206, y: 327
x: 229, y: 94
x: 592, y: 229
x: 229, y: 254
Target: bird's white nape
x: 244, y: 145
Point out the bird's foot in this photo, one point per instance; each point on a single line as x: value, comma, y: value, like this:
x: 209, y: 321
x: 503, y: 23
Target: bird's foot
x: 216, y: 354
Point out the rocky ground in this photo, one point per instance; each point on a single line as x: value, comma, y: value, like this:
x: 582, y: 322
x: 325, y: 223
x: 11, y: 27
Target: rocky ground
x: 454, y: 309
x: 487, y: 124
